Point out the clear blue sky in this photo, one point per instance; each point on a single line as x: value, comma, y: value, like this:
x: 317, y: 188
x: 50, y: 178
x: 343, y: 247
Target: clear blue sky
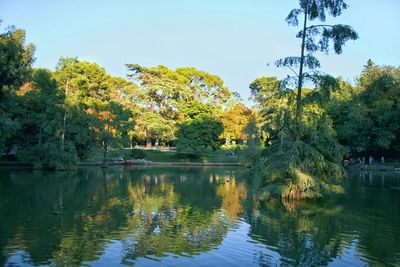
x: 234, y: 39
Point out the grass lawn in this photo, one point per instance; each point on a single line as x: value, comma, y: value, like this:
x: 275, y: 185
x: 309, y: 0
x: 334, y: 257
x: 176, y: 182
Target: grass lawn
x: 166, y: 156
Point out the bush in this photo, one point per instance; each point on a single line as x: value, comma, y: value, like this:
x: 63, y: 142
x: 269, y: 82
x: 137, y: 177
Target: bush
x: 118, y: 153
x: 137, y: 154
x: 299, y: 169
x: 49, y: 156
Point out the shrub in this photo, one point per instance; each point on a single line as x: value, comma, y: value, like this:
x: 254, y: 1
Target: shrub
x: 138, y: 154
x: 49, y: 156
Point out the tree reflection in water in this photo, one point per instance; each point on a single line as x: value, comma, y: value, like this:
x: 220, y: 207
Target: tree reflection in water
x: 71, y: 218
x: 361, y: 226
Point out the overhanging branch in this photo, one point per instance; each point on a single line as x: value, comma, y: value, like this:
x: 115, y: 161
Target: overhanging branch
x: 319, y: 25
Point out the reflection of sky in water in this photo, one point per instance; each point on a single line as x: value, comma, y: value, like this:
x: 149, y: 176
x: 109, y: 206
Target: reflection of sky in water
x: 18, y: 258
x: 350, y: 257
x: 230, y: 253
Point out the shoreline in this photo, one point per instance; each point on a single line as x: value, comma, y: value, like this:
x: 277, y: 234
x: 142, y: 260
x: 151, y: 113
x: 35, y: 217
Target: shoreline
x: 135, y: 163
x: 386, y: 168
x: 145, y: 163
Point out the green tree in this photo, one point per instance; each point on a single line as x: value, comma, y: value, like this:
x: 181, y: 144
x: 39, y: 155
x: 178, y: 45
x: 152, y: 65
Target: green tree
x: 160, y: 95
x: 161, y: 88
x: 204, y: 86
x: 152, y: 126
x: 39, y: 110
x: 15, y: 69
x: 381, y: 96
x: 316, y: 37
x: 306, y: 168
x: 274, y: 103
x: 15, y: 59
x: 70, y: 74
x: 250, y: 154
x: 366, y: 117
x: 65, y: 81
x: 199, y: 130
x: 110, y: 122
x: 304, y: 158
x: 97, y: 115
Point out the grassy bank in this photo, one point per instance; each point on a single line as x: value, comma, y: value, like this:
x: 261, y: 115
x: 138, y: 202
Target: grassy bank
x: 166, y: 156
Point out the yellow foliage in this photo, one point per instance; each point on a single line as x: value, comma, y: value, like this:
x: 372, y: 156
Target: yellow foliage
x: 232, y: 194
x: 25, y: 88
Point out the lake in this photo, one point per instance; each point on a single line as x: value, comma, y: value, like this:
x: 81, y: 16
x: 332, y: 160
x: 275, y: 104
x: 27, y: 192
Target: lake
x: 191, y: 217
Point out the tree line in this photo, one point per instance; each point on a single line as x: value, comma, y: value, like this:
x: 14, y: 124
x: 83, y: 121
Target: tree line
x: 56, y: 118
x: 363, y: 117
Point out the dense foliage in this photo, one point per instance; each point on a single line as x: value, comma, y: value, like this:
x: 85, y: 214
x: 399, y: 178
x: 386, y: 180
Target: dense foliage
x: 303, y: 159
x: 15, y: 68
x: 54, y: 119
x: 297, y: 168
x: 367, y: 116
x: 199, y: 130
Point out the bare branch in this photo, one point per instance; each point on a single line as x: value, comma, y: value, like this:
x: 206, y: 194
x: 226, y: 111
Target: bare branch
x: 295, y: 73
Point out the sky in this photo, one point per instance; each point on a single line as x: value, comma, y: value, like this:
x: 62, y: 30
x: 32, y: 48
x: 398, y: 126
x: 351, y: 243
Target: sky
x: 238, y: 40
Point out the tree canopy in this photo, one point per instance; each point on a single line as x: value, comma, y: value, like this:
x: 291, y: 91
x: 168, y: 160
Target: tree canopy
x: 199, y: 130
x: 366, y: 116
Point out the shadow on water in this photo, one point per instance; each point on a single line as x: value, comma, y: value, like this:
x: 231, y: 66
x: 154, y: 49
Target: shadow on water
x: 191, y: 216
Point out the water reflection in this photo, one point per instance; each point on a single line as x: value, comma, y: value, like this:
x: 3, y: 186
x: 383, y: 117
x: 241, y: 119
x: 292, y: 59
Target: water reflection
x: 191, y: 216
x: 361, y: 227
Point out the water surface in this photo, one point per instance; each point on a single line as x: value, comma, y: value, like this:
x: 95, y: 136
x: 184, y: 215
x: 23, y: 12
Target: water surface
x: 196, y: 217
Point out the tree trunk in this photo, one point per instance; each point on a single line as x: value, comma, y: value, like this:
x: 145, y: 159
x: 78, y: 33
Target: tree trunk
x: 64, y: 120
x: 63, y: 131
x: 105, y: 147
x: 40, y: 136
x: 40, y: 142
x: 151, y: 105
x: 228, y: 141
x: 300, y: 81
x: 148, y: 141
